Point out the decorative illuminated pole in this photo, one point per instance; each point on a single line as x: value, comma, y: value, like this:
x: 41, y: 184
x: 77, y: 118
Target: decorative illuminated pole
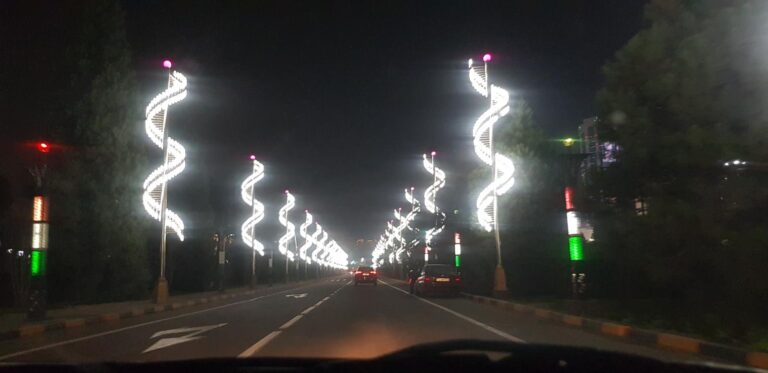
x: 502, y: 167
x: 430, y: 201
x: 38, y: 292
x: 247, y: 192
x: 290, y: 229
x: 415, y: 209
x: 457, y: 251
x: 307, y: 242
x: 155, y: 196
x: 320, y: 246
x: 575, y: 236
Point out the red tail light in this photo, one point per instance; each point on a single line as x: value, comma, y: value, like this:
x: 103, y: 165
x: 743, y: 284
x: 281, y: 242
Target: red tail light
x: 358, y: 272
x: 373, y: 272
x: 457, y: 279
x: 427, y: 279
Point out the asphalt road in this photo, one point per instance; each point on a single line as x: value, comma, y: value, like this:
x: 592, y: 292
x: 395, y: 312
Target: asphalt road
x: 330, y: 318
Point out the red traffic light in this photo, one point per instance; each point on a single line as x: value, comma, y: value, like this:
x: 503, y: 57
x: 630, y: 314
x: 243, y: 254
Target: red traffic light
x: 43, y: 147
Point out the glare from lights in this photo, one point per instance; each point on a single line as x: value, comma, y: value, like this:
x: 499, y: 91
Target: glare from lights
x: 290, y: 229
x: 505, y: 169
x: 487, y: 57
x: 167, y: 64
x: 257, y: 208
x: 430, y: 197
x: 303, y: 234
x: 43, y: 147
x: 156, y: 183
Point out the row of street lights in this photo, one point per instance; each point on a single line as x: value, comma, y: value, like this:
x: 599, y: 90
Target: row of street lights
x: 502, y: 169
x: 155, y: 197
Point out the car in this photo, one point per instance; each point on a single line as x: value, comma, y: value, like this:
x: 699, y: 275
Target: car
x: 438, y: 279
x: 366, y: 274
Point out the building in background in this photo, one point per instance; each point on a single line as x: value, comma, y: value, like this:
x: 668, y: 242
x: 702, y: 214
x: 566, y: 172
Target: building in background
x: 589, y: 144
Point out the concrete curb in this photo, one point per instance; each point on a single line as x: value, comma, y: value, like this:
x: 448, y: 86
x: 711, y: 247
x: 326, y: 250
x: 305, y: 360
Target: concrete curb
x: 35, y: 329
x: 651, y: 338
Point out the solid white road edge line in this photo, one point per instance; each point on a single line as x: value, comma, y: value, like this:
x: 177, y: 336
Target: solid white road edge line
x: 463, y: 317
x: 97, y: 335
x: 259, y: 345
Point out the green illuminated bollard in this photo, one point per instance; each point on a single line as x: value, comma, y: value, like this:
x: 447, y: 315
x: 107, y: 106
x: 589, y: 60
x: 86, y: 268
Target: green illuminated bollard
x: 576, y: 248
x: 37, y: 258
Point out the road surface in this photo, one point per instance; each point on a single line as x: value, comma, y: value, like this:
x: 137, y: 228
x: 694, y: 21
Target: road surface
x: 328, y: 318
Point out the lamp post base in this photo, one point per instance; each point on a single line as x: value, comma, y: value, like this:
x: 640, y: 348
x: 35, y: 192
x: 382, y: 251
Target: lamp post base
x: 160, y: 295
x: 500, y: 283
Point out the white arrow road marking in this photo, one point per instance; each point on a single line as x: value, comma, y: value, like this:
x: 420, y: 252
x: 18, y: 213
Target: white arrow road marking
x: 167, y: 342
x: 296, y: 296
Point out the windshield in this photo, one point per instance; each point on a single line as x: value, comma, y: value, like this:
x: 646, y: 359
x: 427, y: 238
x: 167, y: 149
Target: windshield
x: 344, y: 179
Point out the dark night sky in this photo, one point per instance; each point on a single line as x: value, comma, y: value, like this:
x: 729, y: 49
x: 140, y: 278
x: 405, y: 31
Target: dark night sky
x: 340, y: 99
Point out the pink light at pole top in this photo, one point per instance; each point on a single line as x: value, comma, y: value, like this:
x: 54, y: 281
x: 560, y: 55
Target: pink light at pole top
x: 487, y: 57
x: 252, y: 157
x: 434, y: 153
x: 167, y: 64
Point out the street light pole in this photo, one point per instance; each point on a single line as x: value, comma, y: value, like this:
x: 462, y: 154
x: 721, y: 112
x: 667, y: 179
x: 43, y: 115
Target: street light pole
x: 500, y: 278
x: 253, y: 240
x: 161, y: 290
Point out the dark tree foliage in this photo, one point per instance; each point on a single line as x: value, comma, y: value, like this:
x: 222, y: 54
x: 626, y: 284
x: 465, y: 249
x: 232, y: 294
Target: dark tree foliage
x: 684, y: 96
x: 98, y: 249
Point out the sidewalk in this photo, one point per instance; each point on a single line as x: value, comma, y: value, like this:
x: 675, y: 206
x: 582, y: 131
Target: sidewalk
x: 660, y: 339
x: 664, y: 340
x: 15, y: 324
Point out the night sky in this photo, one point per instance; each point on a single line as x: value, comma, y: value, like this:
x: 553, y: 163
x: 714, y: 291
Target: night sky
x: 340, y: 99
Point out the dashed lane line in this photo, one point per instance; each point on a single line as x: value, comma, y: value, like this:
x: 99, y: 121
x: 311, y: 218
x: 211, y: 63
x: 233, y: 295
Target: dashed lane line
x: 462, y: 316
x: 259, y: 345
x: 269, y: 337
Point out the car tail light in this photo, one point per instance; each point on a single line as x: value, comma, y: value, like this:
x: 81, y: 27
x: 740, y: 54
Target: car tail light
x: 373, y: 272
x: 457, y: 279
x: 358, y: 272
x: 427, y: 279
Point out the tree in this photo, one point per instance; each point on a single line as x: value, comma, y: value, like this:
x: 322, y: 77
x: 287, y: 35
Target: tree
x: 532, y: 255
x: 98, y: 231
x: 685, y: 95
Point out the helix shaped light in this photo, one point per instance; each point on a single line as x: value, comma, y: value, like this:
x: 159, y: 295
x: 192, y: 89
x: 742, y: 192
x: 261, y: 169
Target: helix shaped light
x: 307, y: 239
x: 156, y: 115
x: 257, y: 208
x: 290, y: 229
x: 319, y: 246
x: 481, y: 131
x: 430, y: 197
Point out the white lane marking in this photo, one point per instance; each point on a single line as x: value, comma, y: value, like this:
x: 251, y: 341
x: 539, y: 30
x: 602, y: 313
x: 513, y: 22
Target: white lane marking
x: 291, y: 321
x: 296, y: 296
x: 168, y: 342
x: 463, y: 317
x: 259, y: 345
x: 263, y: 342
x: 63, y: 343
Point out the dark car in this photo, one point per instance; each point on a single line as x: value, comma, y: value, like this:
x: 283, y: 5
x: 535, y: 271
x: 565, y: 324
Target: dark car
x: 366, y: 274
x: 438, y: 279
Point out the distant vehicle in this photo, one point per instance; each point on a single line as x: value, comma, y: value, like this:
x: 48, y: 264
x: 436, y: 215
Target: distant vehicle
x: 366, y: 274
x: 438, y: 279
